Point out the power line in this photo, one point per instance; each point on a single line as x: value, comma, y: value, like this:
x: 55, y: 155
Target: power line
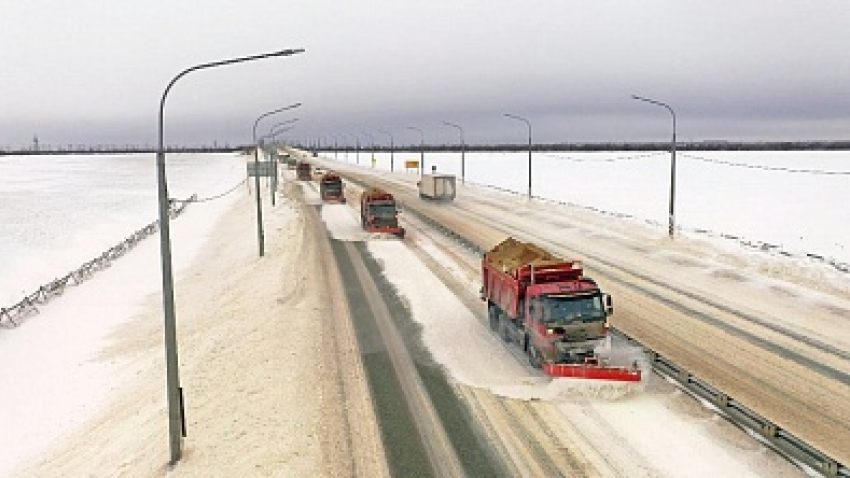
x: 211, y: 198
x: 766, y: 168
x: 603, y: 160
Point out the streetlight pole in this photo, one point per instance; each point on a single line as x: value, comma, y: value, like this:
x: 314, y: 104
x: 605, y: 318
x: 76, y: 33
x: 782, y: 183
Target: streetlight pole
x: 277, y: 131
x: 372, y: 148
x: 357, y: 139
x: 274, y: 131
x: 462, y: 151
x: 520, y: 118
x: 176, y: 419
x: 347, y: 145
x: 421, y: 149
x: 257, y: 175
x: 282, y: 123
x: 272, y: 137
x: 392, y: 147
x: 672, y: 219
x: 336, y: 151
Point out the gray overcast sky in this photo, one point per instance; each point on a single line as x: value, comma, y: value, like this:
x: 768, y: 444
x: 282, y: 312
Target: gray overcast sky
x: 92, y: 71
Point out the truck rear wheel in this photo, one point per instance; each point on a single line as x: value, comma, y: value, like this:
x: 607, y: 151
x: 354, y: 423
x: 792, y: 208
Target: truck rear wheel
x: 493, y: 315
x: 504, y: 328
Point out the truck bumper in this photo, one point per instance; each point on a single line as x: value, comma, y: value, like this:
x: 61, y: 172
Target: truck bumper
x: 398, y: 231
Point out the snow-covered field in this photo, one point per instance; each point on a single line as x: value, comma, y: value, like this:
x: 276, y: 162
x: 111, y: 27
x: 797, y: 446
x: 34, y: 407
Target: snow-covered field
x: 50, y: 376
x: 61, y: 211
x: 789, y: 199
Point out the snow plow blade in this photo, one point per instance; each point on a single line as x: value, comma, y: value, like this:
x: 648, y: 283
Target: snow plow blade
x: 617, y: 374
x: 396, y: 231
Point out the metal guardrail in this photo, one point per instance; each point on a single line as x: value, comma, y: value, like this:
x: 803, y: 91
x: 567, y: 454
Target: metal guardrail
x: 29, y: 304
x: 772, y: 434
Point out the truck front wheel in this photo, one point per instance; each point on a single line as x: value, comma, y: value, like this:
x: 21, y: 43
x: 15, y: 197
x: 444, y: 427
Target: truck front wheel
x: 534, y: 357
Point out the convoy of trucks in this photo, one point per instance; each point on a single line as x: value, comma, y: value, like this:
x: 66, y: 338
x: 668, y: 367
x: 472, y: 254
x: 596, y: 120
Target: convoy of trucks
x: 437, y: 186
x: 542, y: 303
x: 379, y: 212
x: 547, y: 306
x: 330, y: 188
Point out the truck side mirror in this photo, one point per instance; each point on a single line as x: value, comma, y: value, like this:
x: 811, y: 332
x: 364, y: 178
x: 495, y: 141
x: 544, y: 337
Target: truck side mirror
x: 609, y: 304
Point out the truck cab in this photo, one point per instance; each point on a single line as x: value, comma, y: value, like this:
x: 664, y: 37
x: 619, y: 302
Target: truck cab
x: 566, y: 327
x: 330, y: 188
x: 379, y: 213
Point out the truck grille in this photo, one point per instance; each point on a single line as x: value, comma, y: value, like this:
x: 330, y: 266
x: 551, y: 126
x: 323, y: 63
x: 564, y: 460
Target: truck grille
x: 381, y: 222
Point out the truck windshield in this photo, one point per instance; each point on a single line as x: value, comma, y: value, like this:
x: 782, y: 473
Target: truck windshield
x: 562, y: 310
x: 383, y: 210
x: 333, y: 187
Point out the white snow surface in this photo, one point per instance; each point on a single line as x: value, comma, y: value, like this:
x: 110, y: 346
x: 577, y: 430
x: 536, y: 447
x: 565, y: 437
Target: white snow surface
x: 50, y: 379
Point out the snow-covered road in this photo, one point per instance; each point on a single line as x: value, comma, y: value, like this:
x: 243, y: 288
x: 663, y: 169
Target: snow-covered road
x: 619, y: 425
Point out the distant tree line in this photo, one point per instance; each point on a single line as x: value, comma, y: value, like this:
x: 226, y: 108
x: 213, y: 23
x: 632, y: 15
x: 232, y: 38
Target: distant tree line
x: 837, y: 145
x: 100, y: 149
x: 833, y: 145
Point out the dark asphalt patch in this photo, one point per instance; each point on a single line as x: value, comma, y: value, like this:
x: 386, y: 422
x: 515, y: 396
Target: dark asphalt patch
x: 406, y: 454
x: 476, y: 456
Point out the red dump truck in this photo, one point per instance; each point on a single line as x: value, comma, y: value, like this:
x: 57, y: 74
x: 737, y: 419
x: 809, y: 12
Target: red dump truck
x: 378, y: 212
x: 330, y: 188
x: 302, y: 171
x: 551, y: 310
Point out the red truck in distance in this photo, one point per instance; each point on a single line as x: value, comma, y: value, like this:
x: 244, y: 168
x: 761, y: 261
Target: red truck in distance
x: 302, y: 171
x: 331, y: 188
x: 547, y: 306
x: 379, y: 213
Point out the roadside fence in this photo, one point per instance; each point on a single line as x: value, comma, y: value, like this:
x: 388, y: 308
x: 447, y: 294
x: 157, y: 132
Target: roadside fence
x: 16, y: 314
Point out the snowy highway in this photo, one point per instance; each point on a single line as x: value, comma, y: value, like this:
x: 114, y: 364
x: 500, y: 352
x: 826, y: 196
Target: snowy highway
x: 799, y: 384
x: 275, y: 372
